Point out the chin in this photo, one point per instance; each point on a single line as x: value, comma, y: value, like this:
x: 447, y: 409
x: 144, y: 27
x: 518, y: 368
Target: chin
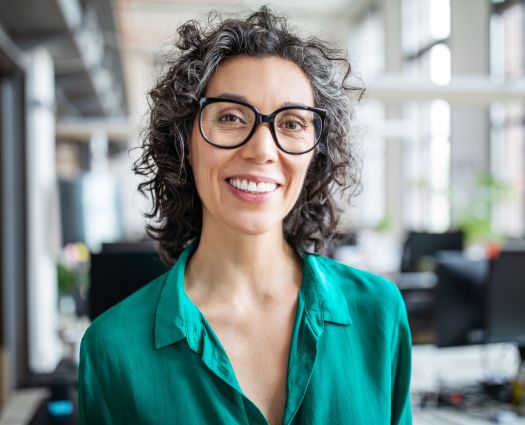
x: 253, y: 227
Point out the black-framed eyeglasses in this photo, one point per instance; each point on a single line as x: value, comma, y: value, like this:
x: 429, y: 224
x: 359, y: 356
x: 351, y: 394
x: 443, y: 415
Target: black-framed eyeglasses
x: 229, y: 124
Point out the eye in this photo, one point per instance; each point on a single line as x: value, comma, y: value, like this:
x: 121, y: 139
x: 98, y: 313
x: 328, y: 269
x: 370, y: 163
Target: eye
x: 229, y: 118
x: 292, y: 123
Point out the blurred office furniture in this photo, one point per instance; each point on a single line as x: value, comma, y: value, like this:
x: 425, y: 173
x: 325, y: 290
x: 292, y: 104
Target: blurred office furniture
x: 118, y: 271
x: 46, y: 399
x: 417, y: 279
x: 451, y: 416
x: 418, y: 291
x: 22, y: 405
x: 477, y: 403
x: 460, y: 300
x: 60, y: 407
x: 123, y: 247
x: 506, y: 299
x: 478, y: 302
x: 506, y: 311
x: 420, y: 249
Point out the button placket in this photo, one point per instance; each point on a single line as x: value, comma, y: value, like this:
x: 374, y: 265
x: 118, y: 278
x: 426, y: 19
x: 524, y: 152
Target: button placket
x: 301, y: 371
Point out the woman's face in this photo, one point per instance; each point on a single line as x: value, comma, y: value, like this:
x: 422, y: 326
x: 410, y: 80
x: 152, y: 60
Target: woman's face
x: 221, y: 175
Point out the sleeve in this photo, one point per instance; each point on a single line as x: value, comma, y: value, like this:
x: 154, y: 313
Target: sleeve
x: 401, y: 350
x: 92, y: 406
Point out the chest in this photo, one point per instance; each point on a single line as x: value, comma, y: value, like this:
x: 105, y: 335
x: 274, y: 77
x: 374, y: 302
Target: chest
x: 343, y: 383
x: 258, y: 349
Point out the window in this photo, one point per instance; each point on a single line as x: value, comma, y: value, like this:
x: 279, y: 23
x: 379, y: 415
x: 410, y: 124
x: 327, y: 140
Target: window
x: 508, y: 121
x: 425, y: 30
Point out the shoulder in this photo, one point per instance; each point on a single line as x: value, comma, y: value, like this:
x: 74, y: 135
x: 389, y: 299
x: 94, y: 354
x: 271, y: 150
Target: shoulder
x: 128, y: 321
x: 363, y: 291
x: 354, y: 280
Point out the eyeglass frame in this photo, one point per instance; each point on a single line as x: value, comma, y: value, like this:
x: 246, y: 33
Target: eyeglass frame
x: 260, y: 118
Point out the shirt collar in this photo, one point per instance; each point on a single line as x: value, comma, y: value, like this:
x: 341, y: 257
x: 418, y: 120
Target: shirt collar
x: 177, y: 317
x: 324, y: 298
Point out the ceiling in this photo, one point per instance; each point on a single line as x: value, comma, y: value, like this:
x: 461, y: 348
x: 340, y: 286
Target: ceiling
x: 87, y: 69
x: 105, y: 51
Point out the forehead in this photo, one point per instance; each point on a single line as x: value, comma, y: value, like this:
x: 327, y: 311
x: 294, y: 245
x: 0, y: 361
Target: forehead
x: 267, y: 82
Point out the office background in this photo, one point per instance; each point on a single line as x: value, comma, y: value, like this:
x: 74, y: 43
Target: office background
x: 440, y: 132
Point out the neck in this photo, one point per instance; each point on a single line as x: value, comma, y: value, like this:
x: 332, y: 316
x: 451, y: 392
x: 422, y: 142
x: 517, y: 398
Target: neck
x: 242, y: 270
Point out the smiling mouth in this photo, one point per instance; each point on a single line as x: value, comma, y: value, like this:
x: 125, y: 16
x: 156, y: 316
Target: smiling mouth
x: 252, y: 187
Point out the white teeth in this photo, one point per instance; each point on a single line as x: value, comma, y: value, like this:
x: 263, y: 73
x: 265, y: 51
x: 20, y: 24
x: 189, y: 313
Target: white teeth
x: 252, y: 187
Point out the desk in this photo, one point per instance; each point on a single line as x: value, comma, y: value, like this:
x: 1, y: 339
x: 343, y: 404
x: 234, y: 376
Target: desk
x: 434, y: 368
x: 22, y: 405
x: 448, y: 416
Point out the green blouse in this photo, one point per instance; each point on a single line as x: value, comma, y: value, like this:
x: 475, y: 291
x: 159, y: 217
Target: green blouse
x: 154, y: 358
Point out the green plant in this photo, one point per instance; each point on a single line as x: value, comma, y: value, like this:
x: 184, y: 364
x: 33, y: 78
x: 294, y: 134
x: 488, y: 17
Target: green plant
x: 475, y: 218
x: 66, y: 279
x: 383, y: 225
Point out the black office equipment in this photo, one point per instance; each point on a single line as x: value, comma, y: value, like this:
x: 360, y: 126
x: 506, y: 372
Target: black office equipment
x: 125, y: 247
x: 421, y: 246
x: 460, y: 301
x: 117, y: 272
x: 72, y: 211
x: 418, y: 291
x: 506, y: 299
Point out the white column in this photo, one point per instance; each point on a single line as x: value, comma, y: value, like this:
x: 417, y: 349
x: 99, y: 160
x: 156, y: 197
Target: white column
x: 42, y: 214
x: 393, y: 145
x: 469, y: 45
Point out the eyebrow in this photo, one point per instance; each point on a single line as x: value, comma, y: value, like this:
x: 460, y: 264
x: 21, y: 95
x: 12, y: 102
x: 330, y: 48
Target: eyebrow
x: 232, y: 96
x: 241, y: 98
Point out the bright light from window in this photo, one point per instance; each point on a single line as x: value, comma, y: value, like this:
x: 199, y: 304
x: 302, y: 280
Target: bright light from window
x: 440, y: 64
x: 439, y: 19
x: 440, y: 164
x: 440, y: 118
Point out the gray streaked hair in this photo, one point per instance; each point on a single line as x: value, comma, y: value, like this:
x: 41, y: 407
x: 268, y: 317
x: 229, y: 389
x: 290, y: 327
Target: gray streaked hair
x: 176, y: 211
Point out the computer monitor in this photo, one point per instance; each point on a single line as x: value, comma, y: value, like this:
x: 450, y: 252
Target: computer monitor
x: 72, y: 211
x: 460, y: 301
x: 423, y: 245
x: 117, y: 273
x: 506, y: 299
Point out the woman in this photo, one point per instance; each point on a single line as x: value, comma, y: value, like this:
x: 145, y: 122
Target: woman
x: 247, y: 142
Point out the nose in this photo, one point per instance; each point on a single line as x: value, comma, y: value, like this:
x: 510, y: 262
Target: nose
x: 261, y: 147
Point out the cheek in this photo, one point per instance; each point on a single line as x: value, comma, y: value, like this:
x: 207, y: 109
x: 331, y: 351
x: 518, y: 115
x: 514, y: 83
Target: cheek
x: 198, y: 163
x: 207, y: 163
x: 300, y: 169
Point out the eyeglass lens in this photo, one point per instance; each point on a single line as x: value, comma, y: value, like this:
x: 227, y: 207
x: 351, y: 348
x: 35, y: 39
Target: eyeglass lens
x: 228, y: 124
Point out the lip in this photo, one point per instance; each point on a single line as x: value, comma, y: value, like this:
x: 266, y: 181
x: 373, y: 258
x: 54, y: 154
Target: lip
x: 252, y: 197
x: 254, y: 178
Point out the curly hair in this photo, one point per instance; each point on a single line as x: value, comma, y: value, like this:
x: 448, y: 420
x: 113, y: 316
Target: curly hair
x: 176, y: 207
